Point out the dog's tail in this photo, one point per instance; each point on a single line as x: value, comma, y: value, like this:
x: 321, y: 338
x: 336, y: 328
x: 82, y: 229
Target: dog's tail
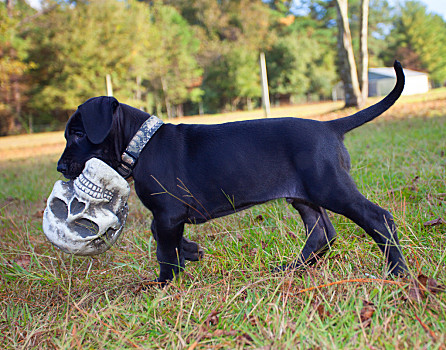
x: 344, y: 125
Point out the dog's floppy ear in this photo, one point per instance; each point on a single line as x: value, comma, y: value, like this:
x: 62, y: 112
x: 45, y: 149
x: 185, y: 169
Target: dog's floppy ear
x: 97, y: 117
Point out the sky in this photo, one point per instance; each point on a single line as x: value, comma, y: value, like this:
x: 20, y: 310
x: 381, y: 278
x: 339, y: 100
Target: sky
x: 438, y: 6
x: 435, y: 6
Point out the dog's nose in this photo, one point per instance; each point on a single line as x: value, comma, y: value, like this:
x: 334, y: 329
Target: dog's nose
x: 62, y: 168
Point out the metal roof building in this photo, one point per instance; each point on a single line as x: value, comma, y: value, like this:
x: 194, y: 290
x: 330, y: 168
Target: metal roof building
x: 382, y: 81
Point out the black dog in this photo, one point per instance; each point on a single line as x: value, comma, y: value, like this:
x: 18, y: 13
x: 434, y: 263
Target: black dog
x: 188, y: 174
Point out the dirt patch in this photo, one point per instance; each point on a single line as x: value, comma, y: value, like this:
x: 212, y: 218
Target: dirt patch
x: 400, y: 110
x: 29, y: 152
x: 26, y: 146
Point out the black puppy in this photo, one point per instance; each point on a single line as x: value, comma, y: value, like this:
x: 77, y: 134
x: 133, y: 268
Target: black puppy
x: 189, y: 174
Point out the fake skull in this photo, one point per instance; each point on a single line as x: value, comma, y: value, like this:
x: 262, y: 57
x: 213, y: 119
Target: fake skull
x: 86, y: 216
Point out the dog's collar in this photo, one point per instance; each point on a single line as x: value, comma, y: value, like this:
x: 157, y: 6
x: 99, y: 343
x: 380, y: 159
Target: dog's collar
x: 136, y: 145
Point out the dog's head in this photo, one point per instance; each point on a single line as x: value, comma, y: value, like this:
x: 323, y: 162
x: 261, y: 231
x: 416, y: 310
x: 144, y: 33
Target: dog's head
x: 87, y: 134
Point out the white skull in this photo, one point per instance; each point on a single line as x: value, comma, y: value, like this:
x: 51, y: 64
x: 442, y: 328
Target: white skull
x: 86, y: 216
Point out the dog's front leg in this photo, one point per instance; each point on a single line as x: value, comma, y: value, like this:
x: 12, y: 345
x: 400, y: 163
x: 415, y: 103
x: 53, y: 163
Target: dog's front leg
x: 169, y: 250
x: 320, y: 235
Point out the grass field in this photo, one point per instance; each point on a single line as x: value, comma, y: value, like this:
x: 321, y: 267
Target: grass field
x: 230, y: 299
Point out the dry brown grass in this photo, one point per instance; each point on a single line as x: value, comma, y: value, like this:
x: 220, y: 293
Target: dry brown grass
x: 28, y: 146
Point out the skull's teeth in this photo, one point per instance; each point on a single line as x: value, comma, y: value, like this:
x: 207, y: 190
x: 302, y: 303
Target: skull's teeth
x: 91, y: 189
x: 88, y: 187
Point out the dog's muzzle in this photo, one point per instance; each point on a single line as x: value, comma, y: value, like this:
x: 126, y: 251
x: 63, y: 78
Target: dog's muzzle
x: 86, y: 216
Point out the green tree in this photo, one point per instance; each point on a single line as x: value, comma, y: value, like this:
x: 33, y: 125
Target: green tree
x: 72, y: 64
x: 419, y: 38
x: 355, y: 82
x: 301, y: 62
x: 381, y: 19
x: 231, y: 34
x: 147, y: 50
x: 233, y: 80
x: 170, y: 69
x: 287, y: 63
x: 13, y: 65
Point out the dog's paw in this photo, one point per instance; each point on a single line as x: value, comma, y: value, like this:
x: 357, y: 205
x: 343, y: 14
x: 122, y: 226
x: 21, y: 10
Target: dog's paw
x: 398, y: 270
x: 191, y: 250
x: 278, y: 269
x: 294, y: 266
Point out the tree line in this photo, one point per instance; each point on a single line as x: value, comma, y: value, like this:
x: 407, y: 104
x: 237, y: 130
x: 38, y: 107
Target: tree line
x: 177, y: 57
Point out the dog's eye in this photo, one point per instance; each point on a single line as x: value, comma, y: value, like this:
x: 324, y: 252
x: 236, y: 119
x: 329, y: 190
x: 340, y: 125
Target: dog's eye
x: 79, y: 134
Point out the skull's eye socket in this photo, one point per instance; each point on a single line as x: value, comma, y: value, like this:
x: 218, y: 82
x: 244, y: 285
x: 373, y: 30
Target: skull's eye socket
x: 76, y: 207
x: 86, y: 228
x: 59, y: 208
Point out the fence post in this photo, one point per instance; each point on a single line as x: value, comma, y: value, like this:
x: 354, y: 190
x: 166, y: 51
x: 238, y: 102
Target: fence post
x: 264, y: 80
x: 108, y: 85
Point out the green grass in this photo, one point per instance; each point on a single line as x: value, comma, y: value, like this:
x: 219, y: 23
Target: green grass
x: 230, y: 299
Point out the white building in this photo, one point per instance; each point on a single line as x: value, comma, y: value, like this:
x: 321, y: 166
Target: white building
x: 382, y: 81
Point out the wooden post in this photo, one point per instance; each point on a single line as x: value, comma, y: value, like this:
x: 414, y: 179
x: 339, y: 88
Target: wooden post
x: 108, y: 85
x: 264, y: 81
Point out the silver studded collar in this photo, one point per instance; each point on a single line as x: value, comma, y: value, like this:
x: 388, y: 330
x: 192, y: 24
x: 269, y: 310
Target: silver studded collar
x: 136, y: 145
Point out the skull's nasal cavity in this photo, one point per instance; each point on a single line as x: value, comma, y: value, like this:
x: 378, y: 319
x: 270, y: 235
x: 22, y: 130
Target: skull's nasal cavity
x: 76, y: 207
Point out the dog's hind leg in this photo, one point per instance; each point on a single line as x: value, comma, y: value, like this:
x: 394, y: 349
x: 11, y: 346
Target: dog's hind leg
x: 320, y: 234
x: 378, y: 224
x: 345, y: 199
